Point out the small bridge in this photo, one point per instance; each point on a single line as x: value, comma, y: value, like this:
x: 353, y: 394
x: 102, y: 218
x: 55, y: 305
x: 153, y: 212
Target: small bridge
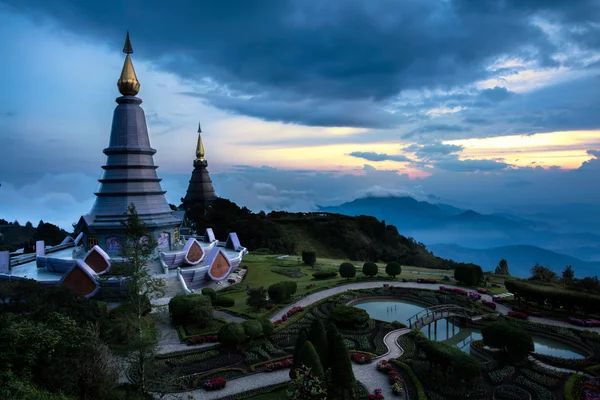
x: 432, y: 314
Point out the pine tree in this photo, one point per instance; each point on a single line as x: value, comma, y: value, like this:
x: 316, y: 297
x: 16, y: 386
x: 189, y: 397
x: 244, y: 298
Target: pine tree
x: 568, y: 275
x: 342, y: 376
x: 300, y: 340
x: 309, y: 358
x: 319, y: 340
x: 502, y: 268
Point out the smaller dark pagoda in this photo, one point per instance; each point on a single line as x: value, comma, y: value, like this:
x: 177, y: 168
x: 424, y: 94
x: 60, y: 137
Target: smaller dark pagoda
x: 200, y: 190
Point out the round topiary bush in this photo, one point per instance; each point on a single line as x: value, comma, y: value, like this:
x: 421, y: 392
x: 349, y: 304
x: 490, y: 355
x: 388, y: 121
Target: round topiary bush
x: 267, y: 326
x: 370, y: 269
x: 252, y: 329
x: 224, y: 301
x: 393, y: 269
x: 348, y: 317
x: 231, y: 334
x: 347, y: 270
x: 210, y: 293
x: 190, y: 309
x: 324, y: 274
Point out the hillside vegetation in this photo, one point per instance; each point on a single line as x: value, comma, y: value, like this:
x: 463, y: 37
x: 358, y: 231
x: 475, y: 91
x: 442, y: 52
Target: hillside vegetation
x: 13, y: 235
x: 359, y: 238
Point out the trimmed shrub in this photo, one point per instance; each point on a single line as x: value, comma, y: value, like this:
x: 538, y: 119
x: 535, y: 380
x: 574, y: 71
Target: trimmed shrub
x: 324, y: 274
x: 224, y: 301
x: 468, y: 274
x: 252, y: 328
x: 348, y: 317
x: 319, y: 340
x: 267, y: 326
x: 509, y: 337
x: 308, y: 357
x: 347, y: 270
x: 231, y: 334
x: 191, y: 308
x: 309, y: 257
x: 291, y: 287
x: 393, y: 269
x: 300, y: 340
x: 210, y: 293
x: 370, y: 269
x: 277, y: 292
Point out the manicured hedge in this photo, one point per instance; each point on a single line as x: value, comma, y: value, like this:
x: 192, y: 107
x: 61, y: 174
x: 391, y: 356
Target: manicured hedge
x: 418, y: 385
x: 574, y: 383
x: 348, y: 317
x: 190, y: 308
x: 324, y: 274
x: 224, y: 301
x: 557, y: 297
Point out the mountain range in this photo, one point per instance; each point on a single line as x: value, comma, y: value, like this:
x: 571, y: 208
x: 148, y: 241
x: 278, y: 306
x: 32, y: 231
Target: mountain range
x: 485, y: 237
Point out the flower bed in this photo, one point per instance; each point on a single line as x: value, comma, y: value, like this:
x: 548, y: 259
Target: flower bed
x: 489, y: 304
x: 384, y: 366
x: 361, y: 358
x: 497, y: 299
x: 482, y: 290
x: 474, y: 296
x: 510, y: 392
x: 376, y: 395
x: 561, y: 362
x: 539, y: 392
x: 500, y: 375
x: 199, y: 339
x: 423, y: 280
x: 518, y: 315
x: 591, y: 389
x: 214, y: 384
x: 592, y: 323
x: 274, y: 366
x: 310, y: 286
x: 453, y: 290
x: 293, y: 311
x: 546, y: 381
x: 528, y: 311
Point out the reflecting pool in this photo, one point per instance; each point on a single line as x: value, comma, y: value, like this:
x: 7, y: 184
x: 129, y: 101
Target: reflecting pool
x: 447, y: 332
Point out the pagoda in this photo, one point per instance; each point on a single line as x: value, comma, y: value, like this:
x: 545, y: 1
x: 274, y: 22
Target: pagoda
x: 129, y: 176
x: 200, y: 190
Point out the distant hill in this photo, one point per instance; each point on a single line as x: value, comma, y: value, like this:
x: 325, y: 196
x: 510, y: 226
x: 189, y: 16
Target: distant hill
x: 520, y: 258
x: 441, y: 223
x: 14, y: 236
x: 359, y: 238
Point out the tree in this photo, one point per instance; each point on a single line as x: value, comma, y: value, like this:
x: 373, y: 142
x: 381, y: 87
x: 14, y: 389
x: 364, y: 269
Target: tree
x: 300, y: 340
x: 347, y: 270
x: 257, y: 298
x: 267, y: 326
x: 348, y: 317
x: 210, y: 292
x: 319, y: 340
x: 543, y: 274
x: 28, y: 224
x: 342, y: 376
x: 308, y: 357
x: 195, y: 309
x: 502, y: 268
x: 252, y: 329
x: 278, y: 292
x: 393, y: 269
x: 568, y: 275
x: 370, y: 269
x: 309, y: 258
x: 231, y: 334
x: 141, y: 287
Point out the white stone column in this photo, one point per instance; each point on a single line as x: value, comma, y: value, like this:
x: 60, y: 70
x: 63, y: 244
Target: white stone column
x: 4, y: 262
x: 40, y: 249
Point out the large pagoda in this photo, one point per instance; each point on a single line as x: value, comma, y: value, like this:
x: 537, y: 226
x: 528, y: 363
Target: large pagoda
x: 200, y: 190
x: 129, y: 175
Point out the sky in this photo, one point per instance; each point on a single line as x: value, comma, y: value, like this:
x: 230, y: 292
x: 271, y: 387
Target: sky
x: 492, y: 105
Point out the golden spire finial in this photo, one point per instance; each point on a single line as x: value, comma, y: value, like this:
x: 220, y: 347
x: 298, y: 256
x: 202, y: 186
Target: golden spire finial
x: 199, y: 146
x: 128, y: 84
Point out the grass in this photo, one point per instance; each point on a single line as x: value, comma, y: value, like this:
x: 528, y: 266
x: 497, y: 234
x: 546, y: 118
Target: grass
x: 277, y: 395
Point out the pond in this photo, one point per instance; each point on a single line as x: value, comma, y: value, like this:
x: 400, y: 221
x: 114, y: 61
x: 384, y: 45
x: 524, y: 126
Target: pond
x: 397, y: 310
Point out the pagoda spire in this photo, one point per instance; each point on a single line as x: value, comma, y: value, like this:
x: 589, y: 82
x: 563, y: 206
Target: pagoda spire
x: 128, y: 83
x: 199, y: 146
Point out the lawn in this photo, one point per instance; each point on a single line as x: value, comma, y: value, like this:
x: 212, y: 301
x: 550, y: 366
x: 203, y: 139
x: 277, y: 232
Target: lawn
x: 260, y: 273
x: 277, y: 395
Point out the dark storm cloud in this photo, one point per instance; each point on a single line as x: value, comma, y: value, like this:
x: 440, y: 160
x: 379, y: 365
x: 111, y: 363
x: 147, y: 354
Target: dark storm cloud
x: 373, y: 156
x: 336, y: 55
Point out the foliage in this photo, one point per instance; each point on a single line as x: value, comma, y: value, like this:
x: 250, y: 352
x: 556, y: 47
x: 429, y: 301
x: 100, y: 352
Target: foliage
x: 342, y: 375
x: 370, y: 269
x: 257, y: 298
x: 191, y: 309
x: 573, y: 387
x: 348, y: 317
x: 500, y: 375
x: 252, y: 329
x: 415, y: 381
x: 308, y: 357
x: 540, y: 392
x: 301, y: 339
x: 448, y: 357
x: 267, y: 326
x: 309, y: 258
x: 468, y: 274
x: 232, y: 334
x: 554, y: 295
x: 282, y: 291
x: 324, y: 274
x: 568, y: 275
x: 509, y: 337
x: 502, y: 268
x: 210, y: 292
x: 305, y: 386
x: 543, y: 274
x: 347, y: 270
x: 392, y: 269
x: 224, y: 301
x: 319, y: 340
x: 289, y: 272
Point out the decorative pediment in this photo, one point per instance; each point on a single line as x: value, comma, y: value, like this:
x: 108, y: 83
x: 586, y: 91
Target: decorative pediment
x: 233, y: 242
x: 82, y: 279
x: 220, y: 266
x: 209, y: 235
x: 97, y: 260
x: 194, y: 253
